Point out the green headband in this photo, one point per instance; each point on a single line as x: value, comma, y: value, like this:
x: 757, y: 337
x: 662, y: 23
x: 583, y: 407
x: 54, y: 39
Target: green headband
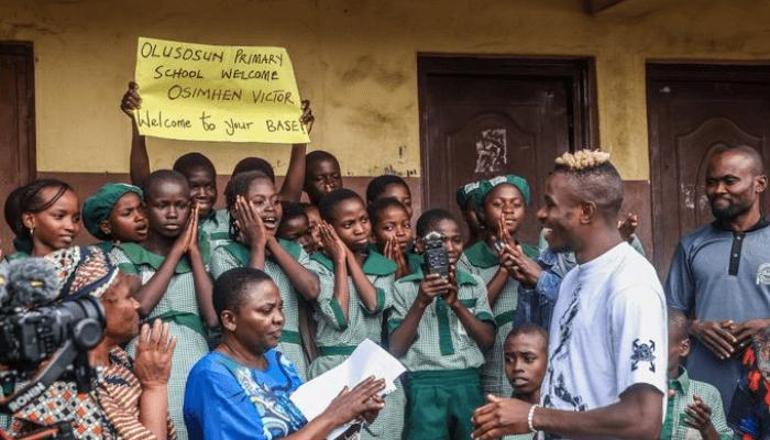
x: 486, y: 186
x: 465, y: 193
x: 98, y: 207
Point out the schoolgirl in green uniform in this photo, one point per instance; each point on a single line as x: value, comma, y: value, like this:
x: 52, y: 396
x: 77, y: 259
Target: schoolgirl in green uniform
x: 256, y: 212
x: 440, y: 328
x: 356, y: 284
x: 176, y: 287
x: 115, y: 214
x: 501, y: 204
x: 393, y: 235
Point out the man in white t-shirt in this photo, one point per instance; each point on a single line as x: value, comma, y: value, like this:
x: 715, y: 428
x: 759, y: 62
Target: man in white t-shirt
x: 608, y: 341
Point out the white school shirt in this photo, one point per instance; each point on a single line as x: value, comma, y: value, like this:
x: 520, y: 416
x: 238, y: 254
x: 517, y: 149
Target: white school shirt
x: 608, y: 332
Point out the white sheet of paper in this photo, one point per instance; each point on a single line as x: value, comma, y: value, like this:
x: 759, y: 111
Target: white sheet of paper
x: 368, y: 359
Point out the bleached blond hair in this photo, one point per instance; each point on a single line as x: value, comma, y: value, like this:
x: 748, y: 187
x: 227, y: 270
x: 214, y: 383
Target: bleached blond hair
x: 595, y: 179
x: 583, y: 159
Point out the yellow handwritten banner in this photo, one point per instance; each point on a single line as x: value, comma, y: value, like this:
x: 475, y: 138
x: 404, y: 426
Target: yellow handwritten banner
x: 202, y: 92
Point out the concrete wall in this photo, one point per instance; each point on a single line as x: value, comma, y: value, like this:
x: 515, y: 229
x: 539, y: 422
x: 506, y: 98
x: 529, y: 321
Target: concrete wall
x: 356, y: 60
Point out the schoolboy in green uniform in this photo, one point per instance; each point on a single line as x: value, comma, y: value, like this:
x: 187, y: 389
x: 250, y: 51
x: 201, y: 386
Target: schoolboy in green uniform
x: 526, y: 359
x: 356, y: 284
x: 694, y: 408
x: 253, y: 204
x: 440, y: 328
x: 500, y: 204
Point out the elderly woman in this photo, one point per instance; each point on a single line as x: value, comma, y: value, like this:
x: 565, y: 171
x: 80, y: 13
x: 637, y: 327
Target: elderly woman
x: 242, y: 389
x: 128, y: 398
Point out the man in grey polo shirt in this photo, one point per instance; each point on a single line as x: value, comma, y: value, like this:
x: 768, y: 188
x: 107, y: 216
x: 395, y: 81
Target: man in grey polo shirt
x: 720, y: 274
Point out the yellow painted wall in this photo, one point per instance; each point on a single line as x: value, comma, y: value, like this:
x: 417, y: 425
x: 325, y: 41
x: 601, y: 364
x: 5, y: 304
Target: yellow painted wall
x: 356, y: 60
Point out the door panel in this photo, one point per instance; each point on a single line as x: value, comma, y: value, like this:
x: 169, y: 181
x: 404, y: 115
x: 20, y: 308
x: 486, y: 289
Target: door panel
x: 17, y: 123
x: 694, y: 111
x: 485, y: 117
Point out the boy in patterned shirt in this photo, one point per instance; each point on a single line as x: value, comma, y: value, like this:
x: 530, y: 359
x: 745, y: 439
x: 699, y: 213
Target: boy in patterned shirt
x: 440, y: 328
x: 694, y: 407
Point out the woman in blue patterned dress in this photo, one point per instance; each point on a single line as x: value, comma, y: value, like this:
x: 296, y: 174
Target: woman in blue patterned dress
x: 243, y: 388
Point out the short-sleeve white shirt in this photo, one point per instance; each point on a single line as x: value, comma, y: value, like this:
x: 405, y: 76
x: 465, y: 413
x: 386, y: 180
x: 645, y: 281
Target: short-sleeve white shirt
x: 608, y: 332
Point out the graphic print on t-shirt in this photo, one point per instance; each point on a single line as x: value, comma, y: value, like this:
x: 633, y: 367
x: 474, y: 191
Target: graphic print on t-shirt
x: 642, y: 353
x: 558, y: 386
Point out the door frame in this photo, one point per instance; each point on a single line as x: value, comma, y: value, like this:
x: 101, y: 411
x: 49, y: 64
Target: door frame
x: 689, y: 72
x: 25, y: 122
x: 25, y: 49
x: 581, y: 71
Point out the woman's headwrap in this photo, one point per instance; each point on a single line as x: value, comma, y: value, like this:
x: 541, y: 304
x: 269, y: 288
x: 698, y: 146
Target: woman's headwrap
x: 98, y: 207
x: 465, y: 193
x: 85, y: 270
x: 486, y: 186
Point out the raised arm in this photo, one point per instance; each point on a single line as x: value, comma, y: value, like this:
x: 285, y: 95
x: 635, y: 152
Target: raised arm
x: 201, y: 278
x: 252, y: 231
x: 140, y: 160
x: 366, y: 290
x: 481, y: 332
x: 304, y: 281
x: 337, y: 250
x: 291, y: 190
x: 151, y: 292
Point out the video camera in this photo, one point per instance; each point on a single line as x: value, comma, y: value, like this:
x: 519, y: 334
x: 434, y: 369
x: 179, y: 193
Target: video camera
x: 35, y: 328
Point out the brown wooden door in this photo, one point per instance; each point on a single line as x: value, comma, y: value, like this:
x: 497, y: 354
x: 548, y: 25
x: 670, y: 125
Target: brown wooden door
x: 481, y: 117
x: 17, y: 123
x: 694, y: 110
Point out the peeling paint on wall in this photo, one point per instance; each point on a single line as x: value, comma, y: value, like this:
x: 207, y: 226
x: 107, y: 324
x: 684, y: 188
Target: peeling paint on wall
x: 356, y: 60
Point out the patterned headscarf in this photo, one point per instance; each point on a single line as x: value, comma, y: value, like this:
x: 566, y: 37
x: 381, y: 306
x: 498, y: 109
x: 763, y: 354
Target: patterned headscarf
x: 83, y: 271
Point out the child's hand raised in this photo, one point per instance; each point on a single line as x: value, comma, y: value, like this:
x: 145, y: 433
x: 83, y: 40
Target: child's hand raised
x: 192, y: 229
x: 628, y: 226
x: 131, y: 100
x: 307, y: 117
x: 393, y: 252
x: 332, y: 243
x: 450, y: 296
x: 699, y: 417
x: 431, y: 286
x: 253, y: 230
x: 188, y: 238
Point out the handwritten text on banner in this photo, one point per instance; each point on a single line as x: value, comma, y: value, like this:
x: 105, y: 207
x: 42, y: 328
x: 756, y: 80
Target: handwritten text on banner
x: 217, y: 93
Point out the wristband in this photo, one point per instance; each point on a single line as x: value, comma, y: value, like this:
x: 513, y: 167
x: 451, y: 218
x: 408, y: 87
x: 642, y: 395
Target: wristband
x: 531, y: 418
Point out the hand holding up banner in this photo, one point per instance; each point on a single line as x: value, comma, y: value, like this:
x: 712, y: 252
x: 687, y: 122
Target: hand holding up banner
x: 217, y: 93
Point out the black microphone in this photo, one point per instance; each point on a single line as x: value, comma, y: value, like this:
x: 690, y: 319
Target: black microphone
x: 32, y: 282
